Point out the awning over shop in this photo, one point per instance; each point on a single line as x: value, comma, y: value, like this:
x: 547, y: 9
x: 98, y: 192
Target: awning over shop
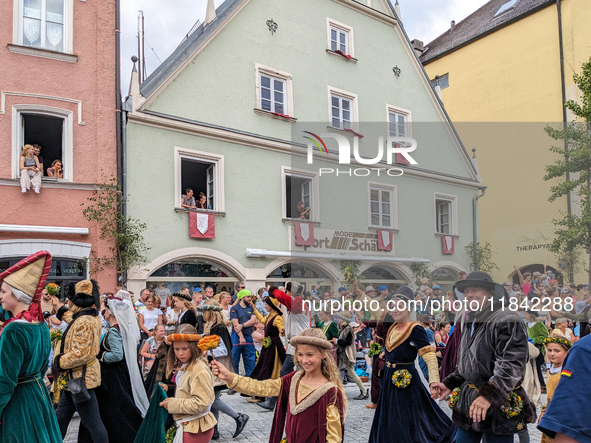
x: 261, y: 253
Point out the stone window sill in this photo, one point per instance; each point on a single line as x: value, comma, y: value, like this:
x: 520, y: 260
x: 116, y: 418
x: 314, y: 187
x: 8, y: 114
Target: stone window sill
x: 205, y: 211
x: 44, y: 53
x: 341, y: 56
x: 285, y: 118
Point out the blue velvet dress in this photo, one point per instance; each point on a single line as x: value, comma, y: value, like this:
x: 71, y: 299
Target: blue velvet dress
x: 408, y: 414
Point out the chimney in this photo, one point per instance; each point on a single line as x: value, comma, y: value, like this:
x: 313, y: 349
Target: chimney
x: 475, y: 162
x: 453, y: 25
x: 134, y: 86
x: 210, y: 14
x: 418, y: 47
x: 397, y: 9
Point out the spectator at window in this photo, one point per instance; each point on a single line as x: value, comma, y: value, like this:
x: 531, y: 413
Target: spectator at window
x: 37, y: 153
x: 202, y: 204
x: 56, y: 169
x: 187, y: 199
x: 302, y: 212
x: 30, y: 170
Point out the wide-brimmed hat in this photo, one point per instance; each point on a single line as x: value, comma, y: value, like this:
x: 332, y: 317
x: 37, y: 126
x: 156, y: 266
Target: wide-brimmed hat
x: 28, y: 276
x: 345, y: 316
x: 274, y: 304
x: 481, y: 280
x: 211, y: 305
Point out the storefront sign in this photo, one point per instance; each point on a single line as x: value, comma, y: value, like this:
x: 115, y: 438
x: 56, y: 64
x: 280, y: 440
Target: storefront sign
x: 332, y: 240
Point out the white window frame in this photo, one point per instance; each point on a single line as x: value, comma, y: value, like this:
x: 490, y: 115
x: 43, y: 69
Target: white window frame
x: 280, y: 75
x: 68, y: 26
x: 453, y: 224
x: 330, y: 23
x: 354, y: 107
x: 393, y: 205
x: 314, y: 193
x: 391, y: 109
x: 206, y: 157
x: 67, y: 136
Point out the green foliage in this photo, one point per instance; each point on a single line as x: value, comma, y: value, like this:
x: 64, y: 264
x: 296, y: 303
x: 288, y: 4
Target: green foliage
x: 420, y: 271
x: 350, y: 270
x: 123, y: 234
x: 570, y: 262
x: 574, y: 157
x: 481, y: 258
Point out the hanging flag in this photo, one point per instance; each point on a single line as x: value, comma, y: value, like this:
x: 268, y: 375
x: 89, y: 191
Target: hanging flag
x: 448, y: 244
x: 304, y: 234
x: 201, y: 225
x: 385, y: 240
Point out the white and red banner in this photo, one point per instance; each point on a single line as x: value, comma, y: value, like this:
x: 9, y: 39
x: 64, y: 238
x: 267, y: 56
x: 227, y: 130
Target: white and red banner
x: 448, y: 244
x: 201, y: 225
x: 384, y: 240
x: 304, y: 234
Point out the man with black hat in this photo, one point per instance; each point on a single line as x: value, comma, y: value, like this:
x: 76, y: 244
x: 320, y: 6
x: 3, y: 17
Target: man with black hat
x: 491, y: 365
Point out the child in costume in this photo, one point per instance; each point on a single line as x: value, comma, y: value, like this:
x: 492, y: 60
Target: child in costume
x: 347, y: 352
x: 214, y: 325
x: 194, y: 395
x: 312, y: 405
x: 556, y: 350
x: 26, y: 411
x: 272, y: 353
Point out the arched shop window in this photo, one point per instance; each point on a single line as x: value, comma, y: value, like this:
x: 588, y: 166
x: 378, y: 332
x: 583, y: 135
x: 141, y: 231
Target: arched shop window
x: 192, y: 273
x: 540, y: 268
x: 444, y: 277
x: 306, y: 274
x: 381, y: 275
x: 62, y: 273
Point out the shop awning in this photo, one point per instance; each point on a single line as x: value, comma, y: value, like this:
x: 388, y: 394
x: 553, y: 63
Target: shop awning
x: 261, y: 253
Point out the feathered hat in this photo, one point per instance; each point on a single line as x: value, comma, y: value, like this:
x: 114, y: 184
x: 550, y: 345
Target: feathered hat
x: 28, y: 277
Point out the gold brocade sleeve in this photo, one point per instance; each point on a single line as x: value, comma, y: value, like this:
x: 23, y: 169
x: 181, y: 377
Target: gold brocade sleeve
x: 431, y: 360
x: 249, y: 386
x: 333, y: 425
x: 258, y: 315
x: 278, y: 322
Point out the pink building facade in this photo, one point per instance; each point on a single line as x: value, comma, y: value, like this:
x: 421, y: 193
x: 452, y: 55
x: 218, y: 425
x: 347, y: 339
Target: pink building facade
x: 58, y: 83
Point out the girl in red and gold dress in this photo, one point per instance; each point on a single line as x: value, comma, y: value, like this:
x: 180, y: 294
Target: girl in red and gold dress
x: 312, y: 405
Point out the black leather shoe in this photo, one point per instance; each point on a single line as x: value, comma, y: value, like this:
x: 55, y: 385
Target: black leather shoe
x: 240, y: 424
x: 361, y: 396
x: 216, y: 434
x: 268, y: 404
x: 231, y: 392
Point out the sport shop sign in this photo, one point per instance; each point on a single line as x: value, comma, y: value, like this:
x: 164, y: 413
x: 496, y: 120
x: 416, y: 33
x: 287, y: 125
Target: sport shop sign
x: 332, y: 240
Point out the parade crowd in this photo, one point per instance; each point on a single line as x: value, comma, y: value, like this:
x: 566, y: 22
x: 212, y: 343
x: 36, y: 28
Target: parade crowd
x: 153, y: 369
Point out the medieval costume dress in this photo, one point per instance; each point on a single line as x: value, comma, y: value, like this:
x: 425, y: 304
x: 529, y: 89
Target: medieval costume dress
x: 273, y: 353
x: 407, y: 413
x: 377, y: 363
x: 307, y: 414
x: 121, y: 396
x: 26, y: 410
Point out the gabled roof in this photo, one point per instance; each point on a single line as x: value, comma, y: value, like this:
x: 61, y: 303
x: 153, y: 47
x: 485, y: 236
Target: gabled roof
x: 489, y: 18
x: 187, y: 47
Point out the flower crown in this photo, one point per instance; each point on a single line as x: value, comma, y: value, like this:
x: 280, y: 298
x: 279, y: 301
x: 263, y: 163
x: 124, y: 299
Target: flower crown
x: 558, y: 340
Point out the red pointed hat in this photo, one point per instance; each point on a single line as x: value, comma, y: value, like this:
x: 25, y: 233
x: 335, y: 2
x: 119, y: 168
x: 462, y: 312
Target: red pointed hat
x: 29, y: 276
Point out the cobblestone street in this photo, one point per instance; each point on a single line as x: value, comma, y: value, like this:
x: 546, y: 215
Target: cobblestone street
x: 357, y: 427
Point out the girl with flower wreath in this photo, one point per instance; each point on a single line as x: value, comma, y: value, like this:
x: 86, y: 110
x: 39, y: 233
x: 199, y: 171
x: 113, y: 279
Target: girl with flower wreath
x: 273, y: 353
x: 556, y: 350
x: 312, y: 404
x: 405, y: 411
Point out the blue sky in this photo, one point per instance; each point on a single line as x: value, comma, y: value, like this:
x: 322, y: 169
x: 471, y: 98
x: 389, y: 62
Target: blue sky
x: 166, y: 23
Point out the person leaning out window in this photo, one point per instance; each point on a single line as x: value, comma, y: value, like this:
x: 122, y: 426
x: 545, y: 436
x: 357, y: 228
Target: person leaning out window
x: 187, y: 199
x: 56, y: 169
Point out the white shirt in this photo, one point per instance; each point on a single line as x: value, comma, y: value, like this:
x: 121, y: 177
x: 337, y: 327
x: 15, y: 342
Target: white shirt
x: 150, y: 318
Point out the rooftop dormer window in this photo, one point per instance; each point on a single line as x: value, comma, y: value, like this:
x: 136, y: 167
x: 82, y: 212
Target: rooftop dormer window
x: 507, y: 7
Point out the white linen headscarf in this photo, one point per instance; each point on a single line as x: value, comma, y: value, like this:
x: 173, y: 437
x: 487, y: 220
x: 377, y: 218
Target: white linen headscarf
x: 20, y: 295
x: 130, y: 333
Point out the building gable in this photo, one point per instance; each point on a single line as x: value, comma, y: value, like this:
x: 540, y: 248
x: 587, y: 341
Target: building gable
x: 213, y: 78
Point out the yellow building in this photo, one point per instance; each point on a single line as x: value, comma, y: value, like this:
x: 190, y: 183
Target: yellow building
x: 500, y: 77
